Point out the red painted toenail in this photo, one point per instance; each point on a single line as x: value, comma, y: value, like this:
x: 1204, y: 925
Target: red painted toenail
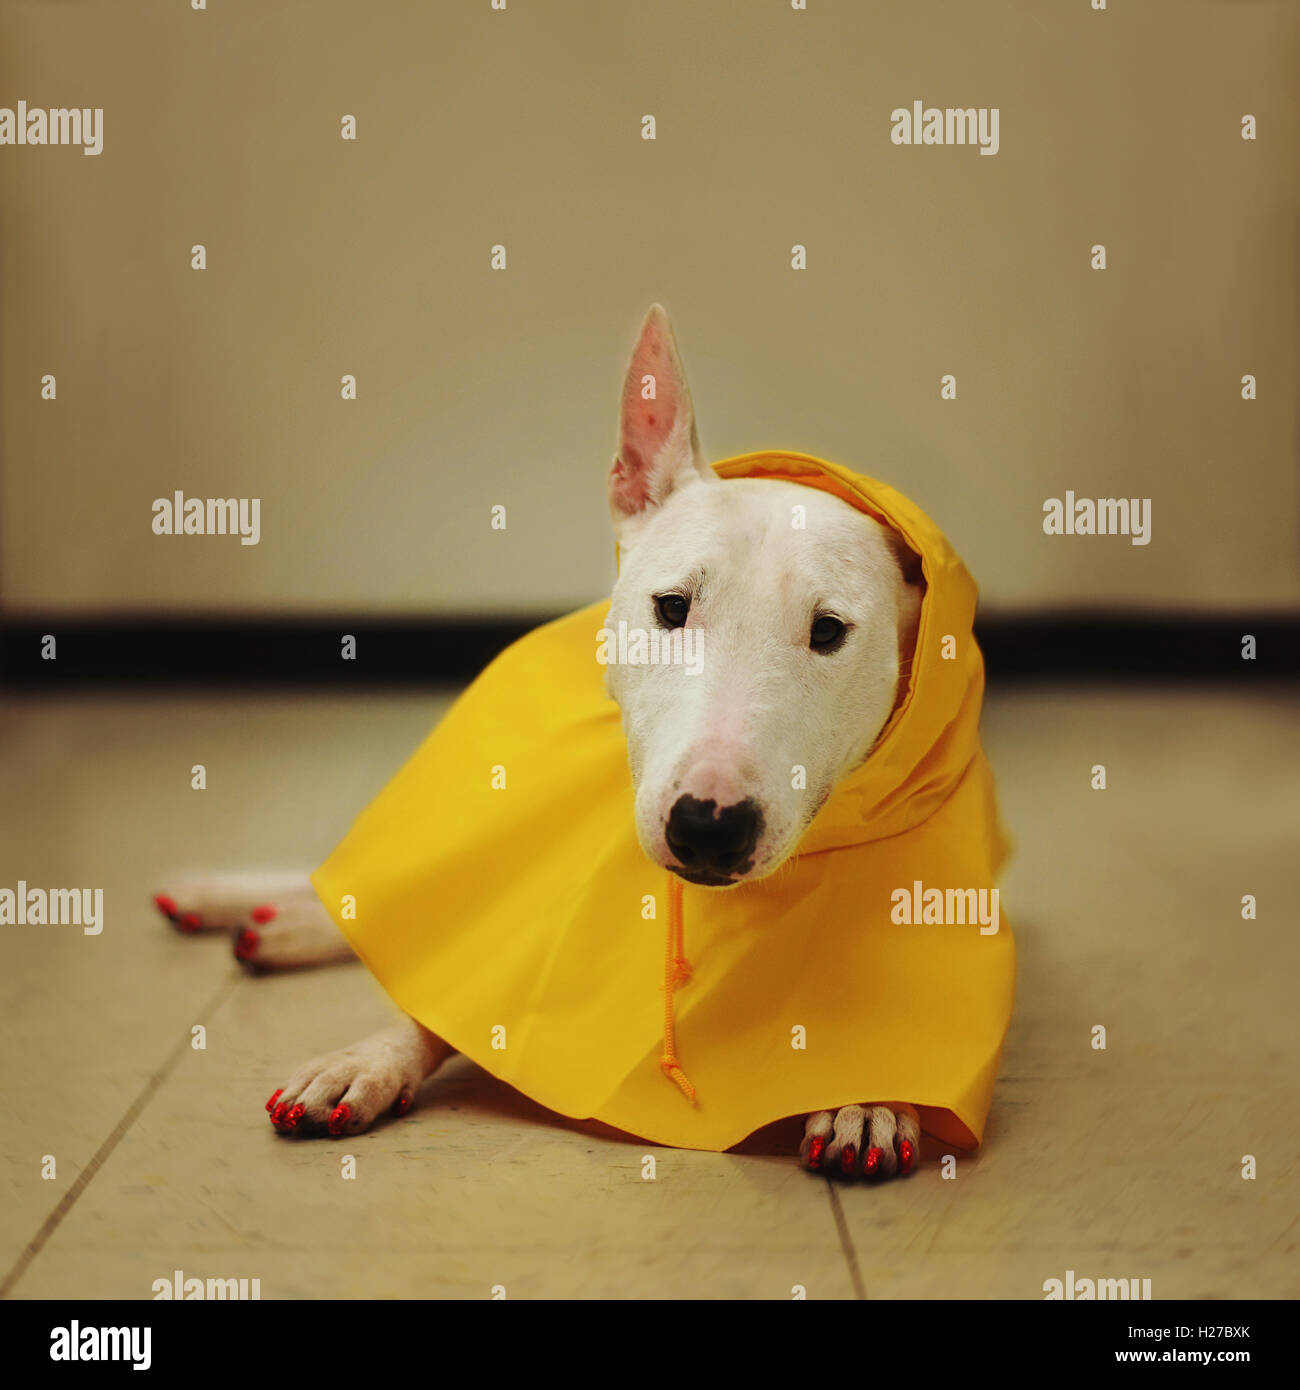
x: 815, y: 1150
x: 871, y: 1163
x: 270, y: 1104
x: 190, y: 922
x: 401, y: 1105
x: 294, y: 1115
x: 847, y: 1154
x: 246, y: 944
x: 278, y: 1114
x: 907, y: 1155
x: 264, y: 914
x: 167, y: 906
x: 342, y: 1114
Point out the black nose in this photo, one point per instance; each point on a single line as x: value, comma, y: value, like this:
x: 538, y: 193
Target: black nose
x: 712, y: 842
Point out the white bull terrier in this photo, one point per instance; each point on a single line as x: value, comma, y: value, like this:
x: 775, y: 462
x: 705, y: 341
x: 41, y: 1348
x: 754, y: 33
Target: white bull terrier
x: 829, y: 630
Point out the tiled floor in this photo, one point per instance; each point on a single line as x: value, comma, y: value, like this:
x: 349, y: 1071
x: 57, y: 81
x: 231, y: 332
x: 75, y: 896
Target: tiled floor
x: 1119, y: 1163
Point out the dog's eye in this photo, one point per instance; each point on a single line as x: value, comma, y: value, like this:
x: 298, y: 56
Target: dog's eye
x: 827, y: 634
x: 672, y: 609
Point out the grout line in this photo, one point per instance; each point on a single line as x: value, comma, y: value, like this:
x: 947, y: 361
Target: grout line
x: 846, y: 1242
x: 69, y: 1198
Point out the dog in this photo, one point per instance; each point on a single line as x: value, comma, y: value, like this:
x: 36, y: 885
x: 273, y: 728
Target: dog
x: 828, y: 630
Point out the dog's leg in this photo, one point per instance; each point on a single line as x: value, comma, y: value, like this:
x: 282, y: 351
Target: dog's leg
x: 278, y: 921
x: 299, y: 934
x: 873, y: 1141
x: 224, y: 902
x: 345, y: 1092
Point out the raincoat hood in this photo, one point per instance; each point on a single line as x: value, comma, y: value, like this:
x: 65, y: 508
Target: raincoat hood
x: 925, y: 748
x: 497, y: 890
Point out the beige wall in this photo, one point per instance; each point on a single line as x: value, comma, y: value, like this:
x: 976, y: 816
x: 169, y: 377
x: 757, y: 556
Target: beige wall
x: 479, y: 387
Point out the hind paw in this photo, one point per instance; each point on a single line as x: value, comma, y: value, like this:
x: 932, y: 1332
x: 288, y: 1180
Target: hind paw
x: 288, y: 937
x: 862, y: 1141
x: 224, y: 902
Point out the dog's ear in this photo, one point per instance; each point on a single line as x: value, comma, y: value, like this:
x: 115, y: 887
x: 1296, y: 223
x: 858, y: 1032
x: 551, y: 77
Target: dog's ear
x: 908, y: 560
x: 909, y: 607
x: 658, y: 449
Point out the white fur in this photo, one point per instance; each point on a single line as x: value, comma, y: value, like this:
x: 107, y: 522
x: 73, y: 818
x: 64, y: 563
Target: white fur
x: 764, y: 703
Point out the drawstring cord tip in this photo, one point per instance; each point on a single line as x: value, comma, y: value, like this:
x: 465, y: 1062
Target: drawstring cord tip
x: 672, y: 1069
x: 677, y: 971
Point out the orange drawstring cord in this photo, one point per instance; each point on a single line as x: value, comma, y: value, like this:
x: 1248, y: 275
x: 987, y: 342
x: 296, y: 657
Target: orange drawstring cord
x: 677, y: 970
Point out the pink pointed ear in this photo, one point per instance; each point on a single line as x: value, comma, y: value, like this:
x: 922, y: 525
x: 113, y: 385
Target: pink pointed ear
x: 658, y: 450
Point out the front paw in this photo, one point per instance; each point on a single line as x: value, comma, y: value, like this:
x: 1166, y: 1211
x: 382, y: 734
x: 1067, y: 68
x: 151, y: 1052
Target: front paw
x: 862, y: 1141
x: 345, y: 1092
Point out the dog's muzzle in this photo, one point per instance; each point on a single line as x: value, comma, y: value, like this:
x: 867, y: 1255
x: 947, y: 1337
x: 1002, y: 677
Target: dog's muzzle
x: 713, y: 845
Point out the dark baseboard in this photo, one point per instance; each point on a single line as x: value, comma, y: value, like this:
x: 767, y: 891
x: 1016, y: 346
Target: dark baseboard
x: 307, y: 651
x: 1146, y: 647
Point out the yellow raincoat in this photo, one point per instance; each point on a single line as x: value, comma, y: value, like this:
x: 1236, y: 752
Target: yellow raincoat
x: 497, y: 890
